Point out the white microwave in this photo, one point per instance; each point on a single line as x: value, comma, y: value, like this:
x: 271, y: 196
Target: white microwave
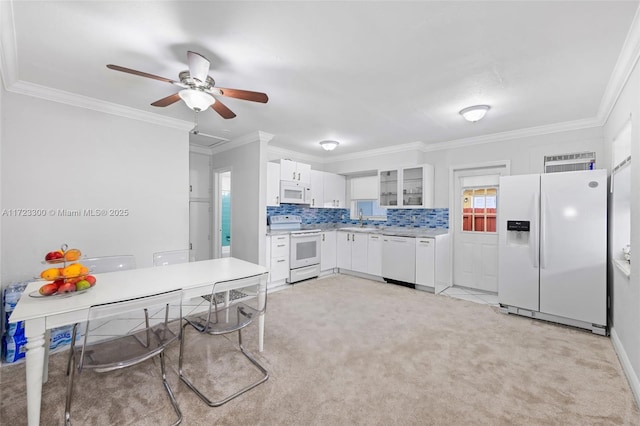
x: 293, y: 193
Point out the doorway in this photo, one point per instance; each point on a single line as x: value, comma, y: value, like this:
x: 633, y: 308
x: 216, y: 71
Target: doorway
x: 222, y: 215
x: 475, y: 199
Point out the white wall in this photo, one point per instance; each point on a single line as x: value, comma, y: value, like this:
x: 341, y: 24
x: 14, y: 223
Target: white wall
x: 248, y: 164
x: 625, y: 291
x: 526, y: 155
x: 56, y: 156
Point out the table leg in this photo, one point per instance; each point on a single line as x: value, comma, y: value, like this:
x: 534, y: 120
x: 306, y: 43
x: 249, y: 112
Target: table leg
x: 35, y: 334
x: 45, y: 365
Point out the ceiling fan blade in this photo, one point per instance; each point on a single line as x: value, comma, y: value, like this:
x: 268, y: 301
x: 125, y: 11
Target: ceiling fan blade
x: 167, y: 101
x: 140, y: 73
x: 222, y: 109
x: 198, y: 66
x: 247, y: 95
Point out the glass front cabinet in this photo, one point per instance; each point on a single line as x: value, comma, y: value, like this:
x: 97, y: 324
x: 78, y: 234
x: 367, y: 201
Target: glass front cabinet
x: 406, y: 187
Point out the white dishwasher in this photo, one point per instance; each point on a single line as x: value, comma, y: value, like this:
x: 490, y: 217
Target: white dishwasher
x: 399, y: 259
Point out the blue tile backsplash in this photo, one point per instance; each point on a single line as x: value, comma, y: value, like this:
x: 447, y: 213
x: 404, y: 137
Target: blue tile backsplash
x: 411, y: 218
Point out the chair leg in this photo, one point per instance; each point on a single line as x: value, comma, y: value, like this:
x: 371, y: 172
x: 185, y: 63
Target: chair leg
x: 71, y: 369
x: 185, y: 380
x: 172, y: 398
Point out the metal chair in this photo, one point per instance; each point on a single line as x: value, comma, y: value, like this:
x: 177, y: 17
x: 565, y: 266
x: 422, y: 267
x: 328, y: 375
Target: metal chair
x: 220, y: 320
x: 98, y: 265
x: 160, y: 328
x: 171, y: 257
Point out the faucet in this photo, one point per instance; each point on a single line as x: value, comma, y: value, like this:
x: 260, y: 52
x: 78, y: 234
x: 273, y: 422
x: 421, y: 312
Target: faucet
x: 360, y: 219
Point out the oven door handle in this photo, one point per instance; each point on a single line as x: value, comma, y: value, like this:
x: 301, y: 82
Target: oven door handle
x: 311, y: 234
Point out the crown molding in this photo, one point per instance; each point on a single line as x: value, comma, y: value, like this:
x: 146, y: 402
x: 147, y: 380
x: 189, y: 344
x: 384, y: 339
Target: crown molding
x: 55, y: 95
x: 288, y: 153
x: 514, y: 134
x: 8, y: 49
x: 629, y: 55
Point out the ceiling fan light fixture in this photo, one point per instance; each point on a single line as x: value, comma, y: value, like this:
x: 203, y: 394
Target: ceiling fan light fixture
x: 197, y: 100
x: 329, y: 145
x: 474, y: 113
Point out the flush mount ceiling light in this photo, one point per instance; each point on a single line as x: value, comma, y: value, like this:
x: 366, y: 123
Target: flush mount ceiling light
x: 474, y: 113
x: 329, y: 145
x: 197, y: 100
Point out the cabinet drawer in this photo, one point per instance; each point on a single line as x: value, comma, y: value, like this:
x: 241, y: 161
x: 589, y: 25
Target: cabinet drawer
x: 279, y: 246
x: 279, y: 268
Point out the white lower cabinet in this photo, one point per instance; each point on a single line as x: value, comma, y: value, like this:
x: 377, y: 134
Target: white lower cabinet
x: 352, y: 251
x: 374, y: 255
x: 425, y: 262
x: 328, y: 258
x: 279, y: 259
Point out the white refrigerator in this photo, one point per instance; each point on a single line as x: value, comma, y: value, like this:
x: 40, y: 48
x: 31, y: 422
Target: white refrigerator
x: 552, y: 248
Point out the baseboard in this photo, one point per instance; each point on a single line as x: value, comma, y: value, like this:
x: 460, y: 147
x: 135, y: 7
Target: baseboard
x: 632, y: 377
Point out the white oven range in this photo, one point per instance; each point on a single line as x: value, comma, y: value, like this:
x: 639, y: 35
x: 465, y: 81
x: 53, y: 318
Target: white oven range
x: 304, y: 255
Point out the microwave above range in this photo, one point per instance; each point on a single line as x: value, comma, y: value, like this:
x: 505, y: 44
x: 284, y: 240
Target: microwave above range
x: 294, y: 193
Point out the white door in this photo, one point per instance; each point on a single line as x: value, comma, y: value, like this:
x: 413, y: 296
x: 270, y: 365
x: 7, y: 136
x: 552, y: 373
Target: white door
x: 475, y: 240
x: 200, y: 229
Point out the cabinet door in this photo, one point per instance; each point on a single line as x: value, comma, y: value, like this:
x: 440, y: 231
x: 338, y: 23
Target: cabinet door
x: 359, y: 252
x: 328, y: 250
x: 412, y: 187
x: 335, y: 189
x: 288, y: 170
x: 303, y: 173
x: 425, y: 261
x: 199, y: 176
x: 374, y: 255
x: 273, y: 184
x: 315, y: 197
x: 388, y: 188
x: 343, y: 250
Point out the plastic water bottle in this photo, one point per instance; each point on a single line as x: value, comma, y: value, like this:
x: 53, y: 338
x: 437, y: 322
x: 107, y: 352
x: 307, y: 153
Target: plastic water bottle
x: 12, y: 295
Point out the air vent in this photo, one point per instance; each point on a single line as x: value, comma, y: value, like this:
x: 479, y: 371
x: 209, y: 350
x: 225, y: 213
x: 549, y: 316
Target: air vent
x: 569, y: 162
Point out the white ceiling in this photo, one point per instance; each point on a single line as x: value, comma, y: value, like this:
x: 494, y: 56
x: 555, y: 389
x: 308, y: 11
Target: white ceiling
x: 368, y: 74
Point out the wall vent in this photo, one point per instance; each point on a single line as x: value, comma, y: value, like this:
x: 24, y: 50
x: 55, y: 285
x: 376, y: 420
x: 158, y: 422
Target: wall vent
x: 569, y: 162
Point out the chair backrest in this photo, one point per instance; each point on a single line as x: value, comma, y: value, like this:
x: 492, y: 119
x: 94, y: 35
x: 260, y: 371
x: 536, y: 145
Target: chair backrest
x: 152, y: 323
x: 171, y: 257
x: 251, y: 291
x: 102, y: 264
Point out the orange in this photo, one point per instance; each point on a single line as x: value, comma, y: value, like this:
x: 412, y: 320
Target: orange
x: 72, y: 254
x: 72, y: 270
x: 50, y: 274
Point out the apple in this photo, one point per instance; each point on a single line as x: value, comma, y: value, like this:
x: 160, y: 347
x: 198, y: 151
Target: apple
x: 67, y: 288
x: 82, y: 285
x: 48, y: 289
x: 91, y: 279
x: 58, y: 282
x: 53, y: 255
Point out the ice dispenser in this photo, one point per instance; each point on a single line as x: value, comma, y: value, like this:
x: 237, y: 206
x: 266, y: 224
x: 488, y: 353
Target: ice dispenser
x: 518, y: 232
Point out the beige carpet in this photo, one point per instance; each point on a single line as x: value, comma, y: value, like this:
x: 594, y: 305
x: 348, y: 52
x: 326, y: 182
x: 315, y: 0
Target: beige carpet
x: 345, y: 351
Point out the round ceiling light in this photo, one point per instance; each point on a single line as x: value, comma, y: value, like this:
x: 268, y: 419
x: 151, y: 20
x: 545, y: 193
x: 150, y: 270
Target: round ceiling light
x: 329, y: 145
x: 474, y: 113
x: 197, y: 100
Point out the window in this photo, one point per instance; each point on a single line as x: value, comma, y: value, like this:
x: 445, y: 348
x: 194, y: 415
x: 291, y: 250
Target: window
x: 479, y: 209
x: 370, y: 210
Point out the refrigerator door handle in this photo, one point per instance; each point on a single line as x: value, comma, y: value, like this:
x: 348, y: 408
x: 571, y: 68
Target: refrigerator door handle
x: 543, y: 231
x: 533, y: 244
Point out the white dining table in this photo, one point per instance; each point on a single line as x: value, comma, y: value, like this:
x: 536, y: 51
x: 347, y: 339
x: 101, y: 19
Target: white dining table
x: 41, y: 314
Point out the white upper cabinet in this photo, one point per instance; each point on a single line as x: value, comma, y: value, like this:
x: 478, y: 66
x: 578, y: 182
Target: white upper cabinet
x: 406, y: 187
x: 273, y: 184
x: 327, y: 190
x: 315, y: 196
x: 294, y: 171
x: 364, y: 188
x: 335, y: 189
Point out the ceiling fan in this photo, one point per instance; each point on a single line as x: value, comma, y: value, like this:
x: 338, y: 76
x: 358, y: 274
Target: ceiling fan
x: 198, y: 89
